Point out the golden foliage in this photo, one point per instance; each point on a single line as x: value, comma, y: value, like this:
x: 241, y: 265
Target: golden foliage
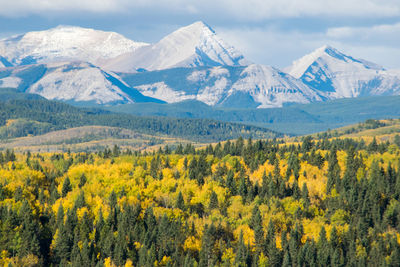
x: 192, y: 244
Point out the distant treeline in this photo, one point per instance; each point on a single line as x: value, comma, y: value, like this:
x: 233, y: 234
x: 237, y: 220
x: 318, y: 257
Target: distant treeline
x: 42, y: 116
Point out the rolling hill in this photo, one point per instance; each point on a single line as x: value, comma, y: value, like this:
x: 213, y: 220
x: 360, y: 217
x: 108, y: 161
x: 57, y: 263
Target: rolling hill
x: 290, y: 119
x: 54, y: 115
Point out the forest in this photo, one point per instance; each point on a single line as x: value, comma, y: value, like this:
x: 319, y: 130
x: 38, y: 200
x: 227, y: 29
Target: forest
x: 27, y: 114
x: 311, y: 202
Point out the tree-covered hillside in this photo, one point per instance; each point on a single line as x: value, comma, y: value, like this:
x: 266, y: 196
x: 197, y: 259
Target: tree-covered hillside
x: 324, y: 202
x: 296, y: 119
x: 41, y: 116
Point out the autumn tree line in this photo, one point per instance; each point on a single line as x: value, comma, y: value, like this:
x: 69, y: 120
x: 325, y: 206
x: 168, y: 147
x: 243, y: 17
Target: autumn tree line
x: 323, y: 202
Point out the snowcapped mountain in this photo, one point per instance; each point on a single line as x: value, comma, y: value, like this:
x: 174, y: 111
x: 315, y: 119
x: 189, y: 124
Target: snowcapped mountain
x: 71, y: 81
x: 191, y: 46
x: 337, y: 75
x: 228, y: 86
x: 65, y: 43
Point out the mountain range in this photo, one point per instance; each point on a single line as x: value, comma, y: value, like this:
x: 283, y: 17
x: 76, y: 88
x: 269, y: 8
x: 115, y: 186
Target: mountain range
x: 88, y: 66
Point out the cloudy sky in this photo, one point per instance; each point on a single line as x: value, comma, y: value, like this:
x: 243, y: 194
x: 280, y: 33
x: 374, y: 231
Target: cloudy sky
x: 273, y: 32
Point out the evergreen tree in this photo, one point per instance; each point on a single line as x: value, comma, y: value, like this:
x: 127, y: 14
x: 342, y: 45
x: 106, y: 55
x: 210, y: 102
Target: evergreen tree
x: 207, y: 244
x: 287, y: 261
x: 241, y: 252
x: 264, y: 186
x: 82, y: 180
x: 257, y: 225
x: 243, y: 188
x: 213, y: 201
x: 66, y: 188
x: 80, y: 200
x: 230, y: 182
x: 86, y: 253
x: 29, y: 230
x: 180, y: 202
x: 333, y: 170
x: 305, y: 196
x: 307, y: 144
x: 63, y: 245
x: 270, y: 249
x: 373, y: 146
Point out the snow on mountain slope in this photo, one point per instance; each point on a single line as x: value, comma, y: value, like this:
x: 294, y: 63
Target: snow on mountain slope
x: 190, y: 46
x: 228, y: 86
x: 386, y: 83
x: 78, y: 82
x: 273, y: 88
x: 337, y: 75
x: 71, y: 81
x: 65, y: 43
x: 10, y: 82
x: 331, y: 56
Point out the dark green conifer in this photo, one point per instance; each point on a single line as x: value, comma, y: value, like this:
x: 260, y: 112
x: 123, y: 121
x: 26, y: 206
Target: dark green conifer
x: 213, y: 201
x: 66, y: 188
x: 180, y: 202
x: 82, y: 180
x: 231, y: 184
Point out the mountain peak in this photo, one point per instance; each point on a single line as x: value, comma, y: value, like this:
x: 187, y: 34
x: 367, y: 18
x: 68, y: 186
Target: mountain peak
x: 199, y: 45
x: 198, y: 26
x: 63, y: 43
x: 301, y: 65
x: 329, y: 50
x: 326, y: 48
x: 336, y: 74
x: 64, y: 26
x: 191, y: 34
x: 332, y: 52
x: 64, y: 29
x: 190, y: 46
x: 328, y: 55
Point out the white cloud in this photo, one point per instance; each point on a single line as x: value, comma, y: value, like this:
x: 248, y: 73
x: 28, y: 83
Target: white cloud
x: 25, y: 7
x: 17, y: 8
x: 261, y: 9
x: 241, y: 10
x: 388, y: 35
